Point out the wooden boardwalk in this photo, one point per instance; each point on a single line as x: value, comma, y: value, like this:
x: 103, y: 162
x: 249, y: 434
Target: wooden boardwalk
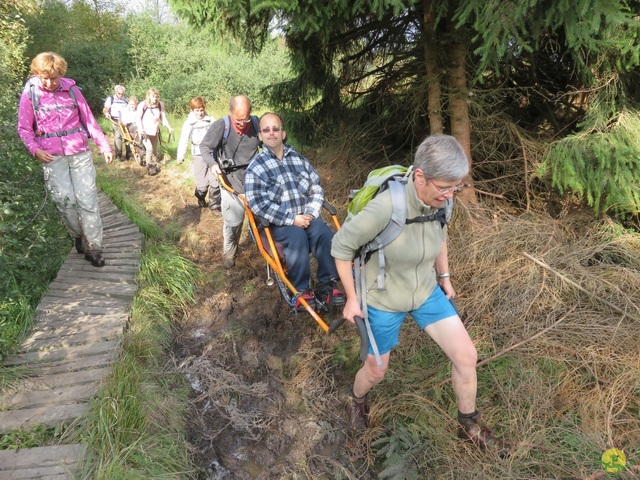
x: 76, y: 337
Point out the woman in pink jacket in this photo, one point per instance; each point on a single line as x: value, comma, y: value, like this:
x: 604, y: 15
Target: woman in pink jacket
x: 55, y: 124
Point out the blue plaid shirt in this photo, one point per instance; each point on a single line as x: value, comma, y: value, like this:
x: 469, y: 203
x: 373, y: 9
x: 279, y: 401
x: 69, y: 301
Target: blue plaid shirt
x: 278, y: 190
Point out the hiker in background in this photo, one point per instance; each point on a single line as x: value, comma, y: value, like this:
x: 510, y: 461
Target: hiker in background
x: 417, y: 281
x: 283, y: 188
x: 55, y: 123
x: 113, y: 106
x: 128, y: 119
x: 150, y: 113
x: 228, y: 147
x: 193, y: 130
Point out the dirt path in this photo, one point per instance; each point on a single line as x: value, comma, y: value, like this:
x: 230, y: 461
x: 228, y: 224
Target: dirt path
x: 268, y: 398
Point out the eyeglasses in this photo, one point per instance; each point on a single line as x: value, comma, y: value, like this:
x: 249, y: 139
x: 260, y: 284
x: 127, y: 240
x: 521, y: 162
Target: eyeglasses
x: 269, y: 129
x: 243, y: 121
x: 444, y: 191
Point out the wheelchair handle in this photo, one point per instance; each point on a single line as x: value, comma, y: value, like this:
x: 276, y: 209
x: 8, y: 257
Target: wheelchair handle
x: 364, y: 338
x: 362, y: 330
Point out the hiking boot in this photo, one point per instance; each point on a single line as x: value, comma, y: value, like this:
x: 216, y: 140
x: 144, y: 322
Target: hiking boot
x: 202, y: 202
x: 358, y: 414
x: 152, y: 170
x: 228, y: 263
x: 95, y: 259
x: 471, y: 428
x: 216, y: 208
x: 310, y: 300
x: 78, y: 244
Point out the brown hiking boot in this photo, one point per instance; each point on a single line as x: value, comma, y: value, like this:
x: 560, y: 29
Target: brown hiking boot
x: 471, y: 428
x: 79, y: 244
x: 358, y: 414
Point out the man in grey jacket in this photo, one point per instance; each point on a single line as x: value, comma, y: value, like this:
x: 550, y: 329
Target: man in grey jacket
x: 234, y: 151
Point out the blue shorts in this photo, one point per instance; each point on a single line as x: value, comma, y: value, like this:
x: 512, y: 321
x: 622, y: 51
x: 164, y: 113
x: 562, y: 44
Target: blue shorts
x: 386, y: 325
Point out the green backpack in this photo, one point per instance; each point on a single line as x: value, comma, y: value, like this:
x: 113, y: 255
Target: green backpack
x: 393, y: 178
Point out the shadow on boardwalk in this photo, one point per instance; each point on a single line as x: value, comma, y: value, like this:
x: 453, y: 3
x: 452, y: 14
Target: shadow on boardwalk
x: 75, y: 338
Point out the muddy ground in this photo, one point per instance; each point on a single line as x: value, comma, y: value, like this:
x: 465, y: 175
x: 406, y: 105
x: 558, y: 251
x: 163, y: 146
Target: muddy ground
x: 268, y: 399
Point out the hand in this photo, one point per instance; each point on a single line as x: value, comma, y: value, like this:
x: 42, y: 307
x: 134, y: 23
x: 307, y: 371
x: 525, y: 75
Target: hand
x: 44, y: 156
x: 180, y: 160
x: 170, y: 131
x: 216, y: 169
x: 302, y: 221
x: 108, y: 157
x: 352, y: 309
x: 447, y: 288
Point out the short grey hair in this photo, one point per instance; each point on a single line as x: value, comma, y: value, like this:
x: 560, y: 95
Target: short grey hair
x: 441, y: 156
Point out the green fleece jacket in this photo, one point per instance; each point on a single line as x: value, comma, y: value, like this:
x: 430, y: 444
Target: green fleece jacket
x: 409, y: 273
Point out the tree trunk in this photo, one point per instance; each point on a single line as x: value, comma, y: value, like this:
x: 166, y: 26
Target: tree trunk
x: 459, y: 97
x: 434, y: 99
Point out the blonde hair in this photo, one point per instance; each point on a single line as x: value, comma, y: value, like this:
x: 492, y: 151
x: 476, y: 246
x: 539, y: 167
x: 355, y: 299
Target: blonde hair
x: 150, y: 92
x: 49, y: 63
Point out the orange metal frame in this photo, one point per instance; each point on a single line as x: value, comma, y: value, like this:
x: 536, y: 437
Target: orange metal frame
x: 273, y: 260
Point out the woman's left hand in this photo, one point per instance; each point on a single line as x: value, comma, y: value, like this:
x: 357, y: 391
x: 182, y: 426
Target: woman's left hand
x: 447, y: 288
x: 108, y: 157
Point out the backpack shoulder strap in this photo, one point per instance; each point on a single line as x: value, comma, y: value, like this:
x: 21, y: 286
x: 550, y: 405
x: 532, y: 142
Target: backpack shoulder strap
x: 225, y: 133
x: 397, y: 188
x: 256, y: 126
x: 73, y: 95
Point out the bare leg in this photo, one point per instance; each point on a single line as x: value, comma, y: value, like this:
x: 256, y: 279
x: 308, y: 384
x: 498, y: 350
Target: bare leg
x: 451, y: 335
x: 370, y: 375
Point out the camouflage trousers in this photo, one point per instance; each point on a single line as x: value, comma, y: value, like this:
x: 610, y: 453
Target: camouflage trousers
x: 71, y: 182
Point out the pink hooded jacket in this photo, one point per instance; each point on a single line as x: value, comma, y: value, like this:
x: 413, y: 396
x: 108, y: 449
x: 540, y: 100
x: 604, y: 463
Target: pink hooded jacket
x: 57, y: 114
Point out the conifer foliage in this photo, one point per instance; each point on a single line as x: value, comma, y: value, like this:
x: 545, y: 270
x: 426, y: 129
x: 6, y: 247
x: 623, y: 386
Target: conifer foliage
x: 411, y: 68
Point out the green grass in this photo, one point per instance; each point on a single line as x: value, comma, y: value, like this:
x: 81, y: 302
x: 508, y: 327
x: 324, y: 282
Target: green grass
x: 136, y: 426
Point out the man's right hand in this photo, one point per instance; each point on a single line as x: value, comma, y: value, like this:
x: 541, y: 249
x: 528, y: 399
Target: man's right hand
x: 302, y: 221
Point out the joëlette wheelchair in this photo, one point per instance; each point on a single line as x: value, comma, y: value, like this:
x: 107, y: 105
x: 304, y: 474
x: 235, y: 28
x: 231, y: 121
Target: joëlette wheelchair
x: 273, y: 253
x: 133, y: 143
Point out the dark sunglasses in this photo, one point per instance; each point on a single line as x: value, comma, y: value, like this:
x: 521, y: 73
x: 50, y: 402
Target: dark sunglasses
x: 268, y: 129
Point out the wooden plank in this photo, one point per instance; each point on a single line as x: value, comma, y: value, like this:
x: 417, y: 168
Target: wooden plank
x: 86, y: 275
x: 123, y: 230
x: 66, y: 353
x: 71, y: 365
x: 45, y: 473
x: 69, y: 394
x: 87, y: 308
x: 58, y: 380
x: 120, y: 260
x: 121, y: 263
x: 53, y: 320
x: 50, y: 416
x: 18, y: 464
x: 52, y: 325
x: 68, y: 290
x: 65, y: 339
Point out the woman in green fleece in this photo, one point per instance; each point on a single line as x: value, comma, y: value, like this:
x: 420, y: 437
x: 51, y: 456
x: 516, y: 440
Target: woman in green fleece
x: 416, y: 281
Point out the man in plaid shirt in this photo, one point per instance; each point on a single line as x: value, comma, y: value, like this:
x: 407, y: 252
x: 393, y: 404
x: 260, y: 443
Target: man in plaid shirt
x: 282, y: 187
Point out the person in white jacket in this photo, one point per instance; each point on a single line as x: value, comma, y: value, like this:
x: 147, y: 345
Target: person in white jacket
x: 193, y: 130
x: 150, y: 113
